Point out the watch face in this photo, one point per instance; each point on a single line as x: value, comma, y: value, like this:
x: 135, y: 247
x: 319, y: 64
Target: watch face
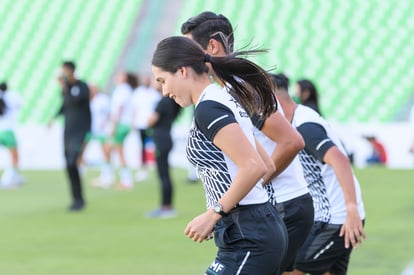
x: 217, y: 208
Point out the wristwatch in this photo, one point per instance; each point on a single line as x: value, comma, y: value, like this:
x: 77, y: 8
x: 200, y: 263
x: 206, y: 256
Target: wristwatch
x: 218, y: 208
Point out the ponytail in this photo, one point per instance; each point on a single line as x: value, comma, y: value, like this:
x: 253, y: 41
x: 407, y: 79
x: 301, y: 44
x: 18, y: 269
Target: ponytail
x: 248, y: 82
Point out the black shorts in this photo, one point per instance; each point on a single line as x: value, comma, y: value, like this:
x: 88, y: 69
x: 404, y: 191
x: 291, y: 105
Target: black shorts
x: 324, y: 251
x: 252, y: 239
x: 297, y: 215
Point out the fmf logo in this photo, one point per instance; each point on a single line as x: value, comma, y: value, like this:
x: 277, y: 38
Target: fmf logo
x: 217, y: 267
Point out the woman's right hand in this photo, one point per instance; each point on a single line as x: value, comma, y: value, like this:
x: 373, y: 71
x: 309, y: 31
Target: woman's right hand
x: 201, y: 227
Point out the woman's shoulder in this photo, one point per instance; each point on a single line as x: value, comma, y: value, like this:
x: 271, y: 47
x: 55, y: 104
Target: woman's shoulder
x: 213, y: 92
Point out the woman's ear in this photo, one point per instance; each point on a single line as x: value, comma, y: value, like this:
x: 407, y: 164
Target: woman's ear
x: 183, y: 71
x: 214, y: 47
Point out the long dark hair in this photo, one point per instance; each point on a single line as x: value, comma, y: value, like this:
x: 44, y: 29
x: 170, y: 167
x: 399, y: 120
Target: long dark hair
x: 247, y: 81
x: 132, y: 79
x: 312, y: 101
x: 209, y: 25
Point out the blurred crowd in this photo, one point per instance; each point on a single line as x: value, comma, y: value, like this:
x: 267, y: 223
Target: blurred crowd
x: 105, y: 118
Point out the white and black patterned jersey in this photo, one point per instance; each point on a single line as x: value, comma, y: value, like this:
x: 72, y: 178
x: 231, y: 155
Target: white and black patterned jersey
x: 215, y: 109
x: 327, y: 194
x: 290, y: 183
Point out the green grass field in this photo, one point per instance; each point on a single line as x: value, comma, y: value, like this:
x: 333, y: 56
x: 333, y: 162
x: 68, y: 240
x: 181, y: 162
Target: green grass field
x: 112, y: 236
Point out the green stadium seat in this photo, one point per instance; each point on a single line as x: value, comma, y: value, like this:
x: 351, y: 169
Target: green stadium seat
x: 38, y: 35
x: 358, y: 53
x: 354, y: 59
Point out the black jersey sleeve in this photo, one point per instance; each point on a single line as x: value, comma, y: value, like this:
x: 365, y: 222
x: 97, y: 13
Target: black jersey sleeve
x: 210, y: 116
x: 258, y: 121
x: 316, y: 139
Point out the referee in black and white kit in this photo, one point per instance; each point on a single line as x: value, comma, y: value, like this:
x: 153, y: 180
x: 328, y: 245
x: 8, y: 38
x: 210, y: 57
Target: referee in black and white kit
x: 77, y: 116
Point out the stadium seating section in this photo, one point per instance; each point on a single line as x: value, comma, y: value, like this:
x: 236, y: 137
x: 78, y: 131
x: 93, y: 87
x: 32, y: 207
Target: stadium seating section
x: 359, y: 53
x: 36, y: 36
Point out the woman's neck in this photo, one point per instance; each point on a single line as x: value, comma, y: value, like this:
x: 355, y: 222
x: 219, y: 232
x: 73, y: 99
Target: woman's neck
x: 199, y: 86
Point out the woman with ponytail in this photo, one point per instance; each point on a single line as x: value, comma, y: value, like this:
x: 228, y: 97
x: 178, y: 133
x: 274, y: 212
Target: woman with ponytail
x: 250, y: 236
x: 287, y: 188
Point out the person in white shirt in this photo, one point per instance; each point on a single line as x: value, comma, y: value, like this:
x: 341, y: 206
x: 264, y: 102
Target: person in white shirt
x: 287, y: 190
x: 144, y: 100
x: 250, y: 235
x: 119, y: 128
x: 10, y: 103
x: 99, y: 105
x: 339, y: 209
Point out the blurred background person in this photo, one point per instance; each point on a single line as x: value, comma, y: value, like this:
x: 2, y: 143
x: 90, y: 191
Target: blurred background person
x: 378, y: 152
x: 10, y: 103
x: 307, y: 94
x: 144, y: 100
x: 161, y: 121
x: 99, y: 104
x: 77, y: 123
x: 119, y: 127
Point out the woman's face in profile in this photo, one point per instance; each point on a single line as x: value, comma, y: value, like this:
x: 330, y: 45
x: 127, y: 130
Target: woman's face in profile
x: 301, y: 94
x: 173, y: 85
